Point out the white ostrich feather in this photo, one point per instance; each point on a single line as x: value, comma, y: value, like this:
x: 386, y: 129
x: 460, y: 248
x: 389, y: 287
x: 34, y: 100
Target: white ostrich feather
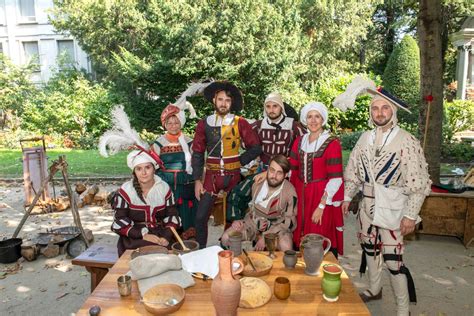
x: 121, y: 136
x: 194, y: 88
x: 359, y: 85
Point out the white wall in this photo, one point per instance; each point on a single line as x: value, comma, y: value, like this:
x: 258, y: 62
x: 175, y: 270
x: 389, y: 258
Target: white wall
x: 14, y: 31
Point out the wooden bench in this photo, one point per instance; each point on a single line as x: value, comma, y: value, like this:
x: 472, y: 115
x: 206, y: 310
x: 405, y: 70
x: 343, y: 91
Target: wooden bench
x: 97, y: 259
x: 449, y: 214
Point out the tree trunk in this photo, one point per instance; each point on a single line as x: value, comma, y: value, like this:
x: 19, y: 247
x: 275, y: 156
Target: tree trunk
x: 429, y: 31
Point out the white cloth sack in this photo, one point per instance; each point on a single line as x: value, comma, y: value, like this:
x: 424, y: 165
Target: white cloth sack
x: 389, y: 205
x: 153, y: 264
x: 180, y: 277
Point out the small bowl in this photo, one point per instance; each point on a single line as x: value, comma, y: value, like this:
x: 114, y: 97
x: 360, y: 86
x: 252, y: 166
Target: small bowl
x: 155, y: 298
x: 262, y: 263
x: 191, y: 244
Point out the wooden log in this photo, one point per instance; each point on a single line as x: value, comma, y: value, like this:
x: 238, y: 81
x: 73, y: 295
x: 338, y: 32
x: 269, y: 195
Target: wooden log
x: 80, y: 187
x: 100, y: 198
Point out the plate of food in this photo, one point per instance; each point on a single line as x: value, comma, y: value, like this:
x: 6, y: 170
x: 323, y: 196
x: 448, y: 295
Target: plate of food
x: 255, y: 292
x: 262, y: 263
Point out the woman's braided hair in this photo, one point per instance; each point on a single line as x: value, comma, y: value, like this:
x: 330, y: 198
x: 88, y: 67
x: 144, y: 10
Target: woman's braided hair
x: 137, y: 187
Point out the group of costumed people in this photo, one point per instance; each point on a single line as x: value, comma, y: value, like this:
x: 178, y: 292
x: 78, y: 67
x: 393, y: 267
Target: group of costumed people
x: 300, y: 189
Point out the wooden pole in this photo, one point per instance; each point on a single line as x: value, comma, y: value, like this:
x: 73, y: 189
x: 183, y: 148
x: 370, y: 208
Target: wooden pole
x: 74, y: 210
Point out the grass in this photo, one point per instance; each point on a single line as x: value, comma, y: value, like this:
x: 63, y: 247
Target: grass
x: 81, y: 163
x: 88, y: 163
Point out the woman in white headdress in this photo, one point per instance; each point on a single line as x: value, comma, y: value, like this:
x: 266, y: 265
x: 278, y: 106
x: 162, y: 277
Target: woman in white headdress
x: 316, y: 163
x: 143, y: 207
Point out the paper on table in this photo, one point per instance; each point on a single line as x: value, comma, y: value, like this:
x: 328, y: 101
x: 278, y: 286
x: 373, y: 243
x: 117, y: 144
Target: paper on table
x: 204, y: 261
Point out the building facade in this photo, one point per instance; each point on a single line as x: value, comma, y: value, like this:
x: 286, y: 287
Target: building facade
x: 26, y: 34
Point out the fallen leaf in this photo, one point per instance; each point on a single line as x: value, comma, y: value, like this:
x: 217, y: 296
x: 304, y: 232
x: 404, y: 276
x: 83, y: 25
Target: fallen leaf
x: 84, y: 274
x: 450, y: 268
x: 61, y: 296
x: 43, y: 290
x: 62, y: 283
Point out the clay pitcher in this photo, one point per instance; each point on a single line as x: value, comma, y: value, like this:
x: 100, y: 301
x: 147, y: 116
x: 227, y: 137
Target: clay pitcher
x: 313, y: 252
x: 225, y: 289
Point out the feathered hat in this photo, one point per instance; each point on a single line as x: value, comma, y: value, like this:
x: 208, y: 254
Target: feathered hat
x: 182, y: 104
x: 122, y: 137
x: 216, y: 86
x: 361, y: 85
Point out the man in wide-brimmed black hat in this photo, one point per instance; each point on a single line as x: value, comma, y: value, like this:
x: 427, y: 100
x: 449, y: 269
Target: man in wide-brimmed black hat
x: 220, y: 135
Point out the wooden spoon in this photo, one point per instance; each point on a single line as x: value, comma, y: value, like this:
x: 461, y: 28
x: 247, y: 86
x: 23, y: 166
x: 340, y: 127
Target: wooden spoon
x: 179, y: 238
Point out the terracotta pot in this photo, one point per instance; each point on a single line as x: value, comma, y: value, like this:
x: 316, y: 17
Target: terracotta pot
x: 225, y: 289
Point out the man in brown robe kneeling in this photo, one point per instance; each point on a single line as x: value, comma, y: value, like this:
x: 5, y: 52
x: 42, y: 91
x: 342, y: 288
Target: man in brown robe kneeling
x: 273, y: 209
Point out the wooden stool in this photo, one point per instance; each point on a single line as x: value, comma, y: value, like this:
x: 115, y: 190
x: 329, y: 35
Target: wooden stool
x: 97, y: 259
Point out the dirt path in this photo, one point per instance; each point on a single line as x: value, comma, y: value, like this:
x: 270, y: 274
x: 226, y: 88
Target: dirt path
x: 442, y: 268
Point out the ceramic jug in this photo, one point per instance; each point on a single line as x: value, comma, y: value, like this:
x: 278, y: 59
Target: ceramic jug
x: 225, y: 289
x: 313, y: 252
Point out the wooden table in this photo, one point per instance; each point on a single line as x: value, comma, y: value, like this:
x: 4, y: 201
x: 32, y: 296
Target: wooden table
x: 449, y: 214
x: 97, y: 259
x: 306, y: 295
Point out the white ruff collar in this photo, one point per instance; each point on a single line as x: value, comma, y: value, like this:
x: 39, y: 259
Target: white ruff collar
x: 215, y: 120
x: 287, y: 124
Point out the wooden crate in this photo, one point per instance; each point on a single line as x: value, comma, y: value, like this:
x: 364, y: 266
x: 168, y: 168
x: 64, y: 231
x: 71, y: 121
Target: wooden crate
x: 450, y: 215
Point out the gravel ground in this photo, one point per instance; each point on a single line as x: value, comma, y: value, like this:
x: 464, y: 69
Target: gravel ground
x: 441, y: 266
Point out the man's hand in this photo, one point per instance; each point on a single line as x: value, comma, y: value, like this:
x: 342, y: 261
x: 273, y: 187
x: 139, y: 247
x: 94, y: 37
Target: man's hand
x: 237, y: 225
x: 198, y: 189
x: 407, y: 226
x: 260, y: 245
x: 345, y: 208
x: 152, y: 238
x: 317, y: 216
x: 259, y: 178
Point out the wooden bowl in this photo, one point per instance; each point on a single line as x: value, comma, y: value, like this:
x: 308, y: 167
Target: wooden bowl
x: 191, y: 244
x: 262, y: 263
x: 155, y: 298
x: 148, y: 250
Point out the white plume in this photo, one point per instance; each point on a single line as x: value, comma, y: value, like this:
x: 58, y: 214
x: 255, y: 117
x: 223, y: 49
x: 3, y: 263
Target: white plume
x: 121, y: 136
x: 193, y: 89
x: 359, y: 85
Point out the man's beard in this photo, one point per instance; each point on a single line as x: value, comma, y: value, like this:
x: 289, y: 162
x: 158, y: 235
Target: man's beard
x: 273, y: 183
x: 222, y: 111
x: 382, y: 123
x: 273, y: 116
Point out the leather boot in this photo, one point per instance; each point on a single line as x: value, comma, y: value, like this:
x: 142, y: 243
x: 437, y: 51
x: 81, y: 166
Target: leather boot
x: 400, y: 289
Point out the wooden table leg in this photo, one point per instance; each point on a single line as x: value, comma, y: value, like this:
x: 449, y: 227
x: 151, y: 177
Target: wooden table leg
x: 97, y: 274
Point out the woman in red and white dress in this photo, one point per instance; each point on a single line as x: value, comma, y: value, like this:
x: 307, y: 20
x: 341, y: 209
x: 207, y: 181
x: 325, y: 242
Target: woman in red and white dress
x: 144, y: 206
x: 316, y: 162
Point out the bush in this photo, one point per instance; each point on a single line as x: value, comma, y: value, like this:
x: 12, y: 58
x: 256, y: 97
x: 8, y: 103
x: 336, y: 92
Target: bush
x: 402, y: 78
x: 72, y: 106
x: 349, y: 140
x: 458, y: 117
x: 457, y: 152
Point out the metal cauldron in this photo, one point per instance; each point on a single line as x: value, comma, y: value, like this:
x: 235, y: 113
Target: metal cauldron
x: 10, y: 250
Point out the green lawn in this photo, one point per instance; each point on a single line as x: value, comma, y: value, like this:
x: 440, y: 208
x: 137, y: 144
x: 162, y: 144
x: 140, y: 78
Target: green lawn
x: 80, y: 163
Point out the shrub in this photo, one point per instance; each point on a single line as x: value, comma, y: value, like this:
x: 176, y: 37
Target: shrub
x: 457, y: 152
x: 349, y: 140
x: 402, y: 78
x: 458, y: 117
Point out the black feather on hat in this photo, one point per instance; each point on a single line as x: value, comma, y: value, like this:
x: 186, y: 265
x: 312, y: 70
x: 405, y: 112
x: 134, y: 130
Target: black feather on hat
x: 291, y: 112
x: 237, y: 99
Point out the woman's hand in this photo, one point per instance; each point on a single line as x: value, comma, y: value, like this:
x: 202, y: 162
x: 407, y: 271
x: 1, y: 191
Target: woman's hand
x: 317, y: 216
x: 259, y: 178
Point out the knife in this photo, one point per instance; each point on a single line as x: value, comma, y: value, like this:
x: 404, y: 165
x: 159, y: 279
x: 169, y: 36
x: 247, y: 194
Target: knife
x: 250, y: 260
